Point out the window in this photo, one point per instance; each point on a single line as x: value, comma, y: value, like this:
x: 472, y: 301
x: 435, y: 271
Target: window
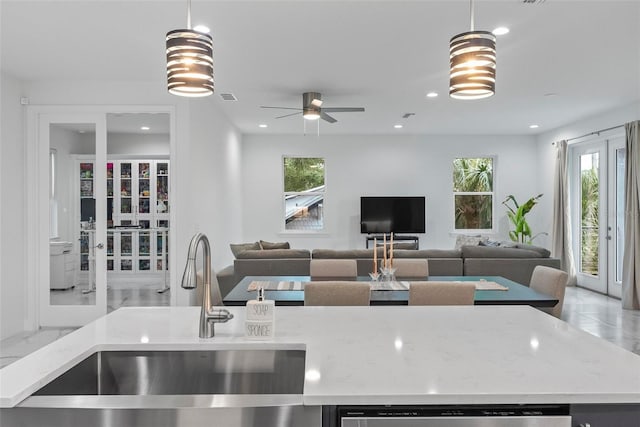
x: 304, y: 188
x: 473, y: 193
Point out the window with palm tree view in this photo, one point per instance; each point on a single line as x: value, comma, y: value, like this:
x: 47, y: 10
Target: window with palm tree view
x: 473, y: 193
x: 590, y: 213
x: 304, y: 189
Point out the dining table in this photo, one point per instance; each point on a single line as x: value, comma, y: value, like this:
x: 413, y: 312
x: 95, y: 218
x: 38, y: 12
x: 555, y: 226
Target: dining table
x: 289, y: 290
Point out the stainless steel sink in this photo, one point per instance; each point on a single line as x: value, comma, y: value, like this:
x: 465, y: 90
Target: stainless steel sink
x: 183, y: 373
x: 173, y: 388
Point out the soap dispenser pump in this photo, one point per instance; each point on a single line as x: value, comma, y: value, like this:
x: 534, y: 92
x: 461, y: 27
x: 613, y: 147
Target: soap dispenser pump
x: 259, y: 323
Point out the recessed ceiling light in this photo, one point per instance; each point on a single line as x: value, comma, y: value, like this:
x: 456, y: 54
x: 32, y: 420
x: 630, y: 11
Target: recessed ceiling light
x: 202, y: 29
x: 262, y: 125
x: 533, y: 126
x: 432, y: 94
x: 500, y: 31
x: 145, y: 128
x: 397, y: 126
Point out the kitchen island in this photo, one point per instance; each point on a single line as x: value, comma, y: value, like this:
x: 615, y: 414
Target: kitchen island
x: 475, y: 355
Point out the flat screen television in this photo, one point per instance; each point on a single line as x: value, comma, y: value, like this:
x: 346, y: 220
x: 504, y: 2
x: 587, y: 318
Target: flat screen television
x: 392, y: 214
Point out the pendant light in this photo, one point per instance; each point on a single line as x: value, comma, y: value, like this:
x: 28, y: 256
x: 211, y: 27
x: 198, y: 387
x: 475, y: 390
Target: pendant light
x: 472, y: 60
x: 189, y: 61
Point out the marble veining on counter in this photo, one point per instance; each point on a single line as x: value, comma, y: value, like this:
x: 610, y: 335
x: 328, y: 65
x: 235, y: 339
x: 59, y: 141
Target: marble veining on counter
x: 378, y: 355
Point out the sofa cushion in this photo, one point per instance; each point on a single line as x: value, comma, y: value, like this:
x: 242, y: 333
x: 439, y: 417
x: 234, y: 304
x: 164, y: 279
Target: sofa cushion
x: 274, y: 254
x: 428, y: 253
x: 344, y: 253
x: 544, y: 252
x: 272, y: 245
x: 237, y: 248
x: 493, y: 252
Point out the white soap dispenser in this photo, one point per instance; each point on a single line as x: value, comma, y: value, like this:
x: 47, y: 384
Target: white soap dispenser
x: 259, y: 323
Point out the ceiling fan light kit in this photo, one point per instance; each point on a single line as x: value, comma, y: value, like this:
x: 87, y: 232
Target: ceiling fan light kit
x: 472, y: 61
x: 312, y: 108
x: 311, y: 102
x: 189, y: 61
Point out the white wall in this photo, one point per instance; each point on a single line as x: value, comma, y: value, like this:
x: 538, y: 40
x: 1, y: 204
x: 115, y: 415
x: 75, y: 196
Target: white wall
x: 547, y: 152
x: 215, y: 182
x: 136, y: 144
x: 379, y: 165
x: 12, y: 204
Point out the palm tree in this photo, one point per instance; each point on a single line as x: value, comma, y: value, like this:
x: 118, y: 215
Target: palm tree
x: 471, y: 176
x: 590, y: 220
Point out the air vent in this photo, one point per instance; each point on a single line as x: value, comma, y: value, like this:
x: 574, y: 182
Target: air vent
x: 228, y: 97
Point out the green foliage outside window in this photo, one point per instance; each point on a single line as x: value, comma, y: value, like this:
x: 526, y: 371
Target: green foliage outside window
x: 303, y: 173
x: 590, y: 221
x: 473, y: 175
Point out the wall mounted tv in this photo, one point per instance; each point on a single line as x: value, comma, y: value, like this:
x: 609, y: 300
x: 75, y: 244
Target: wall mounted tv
x: 392, y: 214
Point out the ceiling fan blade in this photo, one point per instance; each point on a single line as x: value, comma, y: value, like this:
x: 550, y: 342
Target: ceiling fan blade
x: 282, y: 108
x: 325, y: 116
x: 288, y: 115
x: 343, y: 109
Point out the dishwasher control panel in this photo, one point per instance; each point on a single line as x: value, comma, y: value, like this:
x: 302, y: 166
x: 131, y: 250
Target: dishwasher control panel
x: 455, y: 416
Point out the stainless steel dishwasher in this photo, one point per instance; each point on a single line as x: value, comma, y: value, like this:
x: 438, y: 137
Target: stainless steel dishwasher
x: 455, y: 416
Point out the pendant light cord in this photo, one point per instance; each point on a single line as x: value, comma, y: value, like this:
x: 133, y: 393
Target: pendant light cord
x: 188, y: 14
x: 470, y: 13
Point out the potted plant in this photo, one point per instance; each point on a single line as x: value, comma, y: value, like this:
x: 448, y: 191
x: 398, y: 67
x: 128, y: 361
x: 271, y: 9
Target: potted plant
x: 517, y: 215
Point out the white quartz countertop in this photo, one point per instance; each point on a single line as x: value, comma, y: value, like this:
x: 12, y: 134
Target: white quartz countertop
x: 378, y: 355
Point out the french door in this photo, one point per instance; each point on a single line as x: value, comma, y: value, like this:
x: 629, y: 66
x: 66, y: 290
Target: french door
x: 597, y: 193
x: 71, y: 264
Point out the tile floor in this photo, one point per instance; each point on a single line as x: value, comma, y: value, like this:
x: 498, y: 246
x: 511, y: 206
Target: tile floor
x: 594, y: 313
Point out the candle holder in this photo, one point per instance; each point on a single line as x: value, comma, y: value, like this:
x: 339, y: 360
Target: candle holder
x: 374, y: 276
x: 388, y: 274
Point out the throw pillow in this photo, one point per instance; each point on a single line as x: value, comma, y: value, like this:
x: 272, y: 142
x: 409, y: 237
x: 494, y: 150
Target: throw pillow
x: 465, y: 240
x: 236, y: 248
x: 277, y: 245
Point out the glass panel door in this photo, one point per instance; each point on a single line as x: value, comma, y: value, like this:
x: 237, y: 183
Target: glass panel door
x: 615, y: 228
x: 73, y: 281
x: 597, y: 189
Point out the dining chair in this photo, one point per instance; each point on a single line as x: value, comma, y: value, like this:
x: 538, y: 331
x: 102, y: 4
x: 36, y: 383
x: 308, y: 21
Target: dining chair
x: 441, y: 293
x: 335, y: 268
x: 337, y: 293
x: 550, y: 281
x: 411, y: 267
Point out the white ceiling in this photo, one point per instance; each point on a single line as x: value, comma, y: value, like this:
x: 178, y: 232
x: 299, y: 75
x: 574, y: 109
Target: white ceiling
x: 381, y: 55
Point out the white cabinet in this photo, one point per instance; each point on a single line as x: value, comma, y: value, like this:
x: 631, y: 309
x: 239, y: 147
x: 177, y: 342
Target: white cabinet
x: 62, y: 265
x: 138, y: 207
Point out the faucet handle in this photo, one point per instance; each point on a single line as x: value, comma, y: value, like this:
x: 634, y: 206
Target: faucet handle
x: 220, y: 315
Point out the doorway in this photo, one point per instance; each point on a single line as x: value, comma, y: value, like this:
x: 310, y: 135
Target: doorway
x: 95, y: 250
x: 597, y: 196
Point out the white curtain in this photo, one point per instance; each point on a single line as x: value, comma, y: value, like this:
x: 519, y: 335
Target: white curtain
x: 561, y: 232
x: 631, y: 259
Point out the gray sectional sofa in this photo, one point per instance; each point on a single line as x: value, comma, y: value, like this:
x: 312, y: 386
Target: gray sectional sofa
x: 515, y: 263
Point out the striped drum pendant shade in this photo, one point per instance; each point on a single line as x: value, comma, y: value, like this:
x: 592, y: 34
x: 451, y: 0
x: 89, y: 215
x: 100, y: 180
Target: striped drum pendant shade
x: 472, y: 60
x: 189, y: 63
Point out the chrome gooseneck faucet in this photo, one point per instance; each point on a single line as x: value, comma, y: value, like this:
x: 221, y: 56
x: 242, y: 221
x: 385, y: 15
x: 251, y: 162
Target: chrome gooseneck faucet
x: 208, y: 315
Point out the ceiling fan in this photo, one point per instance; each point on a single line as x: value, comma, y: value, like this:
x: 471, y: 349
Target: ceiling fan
x: 312, y: 110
